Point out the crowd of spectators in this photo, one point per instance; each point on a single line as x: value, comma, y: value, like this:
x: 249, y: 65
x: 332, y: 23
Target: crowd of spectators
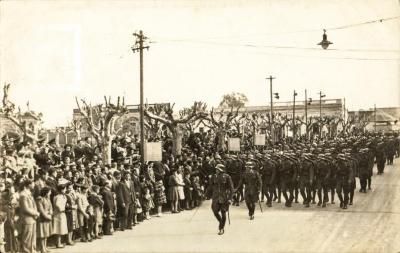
x: 64, y: 194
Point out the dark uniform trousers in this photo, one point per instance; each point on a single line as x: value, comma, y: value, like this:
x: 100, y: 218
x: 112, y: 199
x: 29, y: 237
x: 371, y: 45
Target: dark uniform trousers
x: 343, y: 189
x: 287, y: 184
x: 218, y: 208
x: 268, y: 189
x: 322, y: 187
x: 305, y: 188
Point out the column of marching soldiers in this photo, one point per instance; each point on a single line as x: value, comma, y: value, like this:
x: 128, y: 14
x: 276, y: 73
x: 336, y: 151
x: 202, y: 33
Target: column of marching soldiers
x: 315, y: 171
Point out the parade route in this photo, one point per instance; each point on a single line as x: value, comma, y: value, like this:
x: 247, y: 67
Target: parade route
x: 370, y: 225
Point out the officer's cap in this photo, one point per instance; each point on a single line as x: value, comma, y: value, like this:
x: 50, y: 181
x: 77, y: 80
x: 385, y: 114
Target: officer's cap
x: 220, y: 167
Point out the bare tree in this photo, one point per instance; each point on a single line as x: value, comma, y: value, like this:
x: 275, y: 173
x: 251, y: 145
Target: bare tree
x: 153, y: 126
x: 29, y: 129
x: 174, y: 124
x: 280, y: 121
x: 239, y: 122
x: 222, y: 125
x: 346, y: 125
x: 100, y: 120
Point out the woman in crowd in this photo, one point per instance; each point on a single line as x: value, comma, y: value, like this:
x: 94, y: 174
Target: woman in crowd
x: 44, y: 228
x: 147, y: 196
x: 173, y: 191
x: 95, y: 200
x: 181, y: 192
x: 60, y: 227
x: 159, y: 194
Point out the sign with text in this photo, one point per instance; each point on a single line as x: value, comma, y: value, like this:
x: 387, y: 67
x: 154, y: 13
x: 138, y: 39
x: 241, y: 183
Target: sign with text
x: 234, y: 144
x: 259, y: 139
x: 152, y: 151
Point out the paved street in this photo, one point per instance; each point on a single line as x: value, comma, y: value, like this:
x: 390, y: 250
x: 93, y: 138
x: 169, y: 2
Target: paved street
x: 370, y: 225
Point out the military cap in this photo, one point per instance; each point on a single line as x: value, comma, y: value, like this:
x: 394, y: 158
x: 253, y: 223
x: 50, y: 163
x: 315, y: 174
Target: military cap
x: 249, y: 164
x: 220, y: 167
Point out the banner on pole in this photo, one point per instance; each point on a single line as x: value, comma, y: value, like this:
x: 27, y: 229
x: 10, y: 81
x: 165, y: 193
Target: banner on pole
x: 259, y: 139
x: 234, y: 144
x: 153, y: 151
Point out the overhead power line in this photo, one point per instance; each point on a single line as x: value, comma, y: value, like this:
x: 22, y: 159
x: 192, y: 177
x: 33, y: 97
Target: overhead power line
x: 293, y: 32
x: 290, y: 47
x: 280, y: 47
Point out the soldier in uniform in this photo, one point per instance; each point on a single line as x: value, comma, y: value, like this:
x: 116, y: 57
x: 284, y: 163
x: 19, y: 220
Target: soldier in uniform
x: 277, y: 191
x: 288, y: 175
x: 391, y: 150
x: 268, y: 173
x: 380, y: 158
x: 306, y: 177
x: 234, y: 170
x: 322, y: 179
x: 252, y: 181
x: 333, y: 168
x: 344, y: 175
x: 354, y: 159
x: 370, y: 167
x: 363, y: 170
x: 220, y: 189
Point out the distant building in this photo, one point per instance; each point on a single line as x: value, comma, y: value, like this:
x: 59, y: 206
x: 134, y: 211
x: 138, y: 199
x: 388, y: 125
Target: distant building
x: 9, y: 129
x: 381, y: 119
x: 328, y: 107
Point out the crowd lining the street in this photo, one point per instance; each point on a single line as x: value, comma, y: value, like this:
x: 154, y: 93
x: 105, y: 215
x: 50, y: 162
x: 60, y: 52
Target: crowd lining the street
x: 66, y: 194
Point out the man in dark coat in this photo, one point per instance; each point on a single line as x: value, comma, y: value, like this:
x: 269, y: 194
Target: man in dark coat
x: 108, y: 207
x: 220, y: 190
x: 125, y: 198
x: 252, y: 181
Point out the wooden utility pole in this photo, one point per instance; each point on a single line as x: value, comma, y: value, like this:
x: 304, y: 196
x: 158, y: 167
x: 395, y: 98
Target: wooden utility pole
x: 305, y: 113
x: 375, y: 117
x: 272, y: 109
x: 320, y: 113
x: 344, y: 108
x: 294, y: 115
x: 138, y: 47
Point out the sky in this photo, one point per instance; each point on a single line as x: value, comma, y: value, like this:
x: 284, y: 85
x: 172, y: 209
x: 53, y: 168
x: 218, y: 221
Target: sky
x: 53, y: 51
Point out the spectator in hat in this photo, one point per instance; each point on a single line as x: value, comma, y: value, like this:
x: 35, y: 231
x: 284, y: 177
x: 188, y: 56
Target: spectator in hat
x: 95, y: 200
x: 126, y: 198
x: 71, y: 212
x: 147, y: 196
x: 60, y: 227
x: 188, y: 190
x: 44, y: 228
x: 9, y: 200
x: 108, y: 207
x: 28, y: 216
x: 159, y: 193
x: 83, y: 216
x: 181, y: 202
x: 68, y: 152
x: 40, y: 182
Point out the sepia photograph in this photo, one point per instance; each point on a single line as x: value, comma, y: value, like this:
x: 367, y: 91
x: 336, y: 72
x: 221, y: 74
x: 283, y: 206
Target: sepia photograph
x: 199, y: 126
